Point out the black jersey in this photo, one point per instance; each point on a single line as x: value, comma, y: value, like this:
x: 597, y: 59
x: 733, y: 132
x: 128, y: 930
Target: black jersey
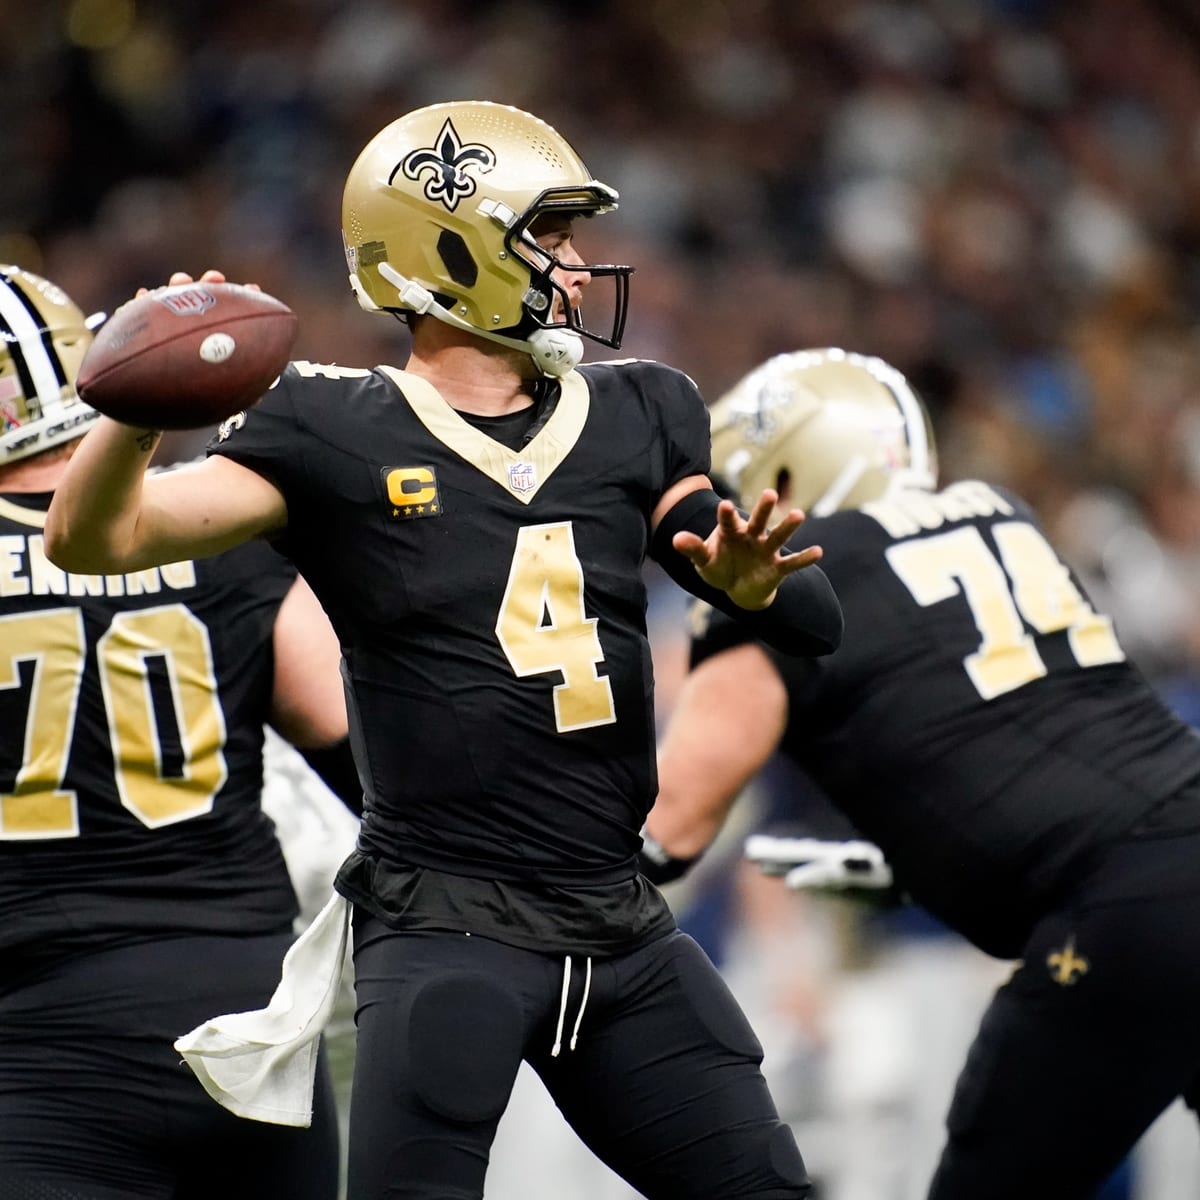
x: 490, y: 603
x: 980, y: 721
x: 131, y: 775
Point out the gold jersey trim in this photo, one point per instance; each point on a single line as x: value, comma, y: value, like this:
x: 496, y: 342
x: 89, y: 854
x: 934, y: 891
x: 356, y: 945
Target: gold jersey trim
x: 530, y: 466
x: 21, y: 514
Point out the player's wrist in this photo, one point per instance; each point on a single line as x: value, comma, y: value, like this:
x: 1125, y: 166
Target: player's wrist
x: 658, y: 864
x: 751, y: 598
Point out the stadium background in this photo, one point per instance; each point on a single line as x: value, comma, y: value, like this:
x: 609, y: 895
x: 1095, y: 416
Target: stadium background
x: 1001, y: 197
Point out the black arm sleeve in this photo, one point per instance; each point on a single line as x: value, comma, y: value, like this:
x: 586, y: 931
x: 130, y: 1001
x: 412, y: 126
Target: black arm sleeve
x: 335, y: 765
x: 805, y: 618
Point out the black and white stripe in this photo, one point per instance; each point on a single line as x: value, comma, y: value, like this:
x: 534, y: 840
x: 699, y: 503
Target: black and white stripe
x: 30, y: 345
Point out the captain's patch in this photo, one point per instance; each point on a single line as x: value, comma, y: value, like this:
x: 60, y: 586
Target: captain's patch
x: 411, y: 492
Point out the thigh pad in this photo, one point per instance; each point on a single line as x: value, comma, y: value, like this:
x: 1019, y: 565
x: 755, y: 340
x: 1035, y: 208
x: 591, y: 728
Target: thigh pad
x: 465, y: 1039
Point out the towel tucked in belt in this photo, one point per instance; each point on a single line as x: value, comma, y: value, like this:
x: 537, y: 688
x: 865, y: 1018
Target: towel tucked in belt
x: 262, y: 1064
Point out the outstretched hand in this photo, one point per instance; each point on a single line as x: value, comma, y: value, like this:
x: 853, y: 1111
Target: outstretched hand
x: 742, y: 556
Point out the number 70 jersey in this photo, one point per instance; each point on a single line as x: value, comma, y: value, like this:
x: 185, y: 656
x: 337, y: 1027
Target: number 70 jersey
x: 131, y: 769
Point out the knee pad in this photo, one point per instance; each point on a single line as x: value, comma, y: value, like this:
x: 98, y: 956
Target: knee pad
x: 465, y: 1039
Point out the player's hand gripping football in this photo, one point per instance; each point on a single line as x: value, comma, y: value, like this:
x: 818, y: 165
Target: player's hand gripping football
x: 209, y: 276
x: 188, y: 355
x: 742, y: 556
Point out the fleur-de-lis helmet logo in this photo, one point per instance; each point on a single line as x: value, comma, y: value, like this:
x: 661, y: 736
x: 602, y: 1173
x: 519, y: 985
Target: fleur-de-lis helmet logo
x: 756, y: 413
x: 447, y: 163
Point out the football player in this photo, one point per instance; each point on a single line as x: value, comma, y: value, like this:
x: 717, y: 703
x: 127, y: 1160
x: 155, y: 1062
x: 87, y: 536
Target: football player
x: 476, y: 526
x: 982, y: 726
x: 140, y: 881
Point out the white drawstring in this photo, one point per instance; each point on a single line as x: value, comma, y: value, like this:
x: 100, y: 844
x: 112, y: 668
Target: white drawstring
x: 562, y: 1007
x: 587, y: 987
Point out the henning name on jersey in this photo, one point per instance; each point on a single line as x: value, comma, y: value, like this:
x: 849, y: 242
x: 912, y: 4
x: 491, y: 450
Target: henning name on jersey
x: 26, y: 571
x: 913, y: 510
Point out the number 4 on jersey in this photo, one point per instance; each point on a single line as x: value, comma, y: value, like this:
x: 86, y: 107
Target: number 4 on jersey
x: 542, y: 626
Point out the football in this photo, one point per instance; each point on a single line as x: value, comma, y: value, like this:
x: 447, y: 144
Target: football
x: 187, y: 356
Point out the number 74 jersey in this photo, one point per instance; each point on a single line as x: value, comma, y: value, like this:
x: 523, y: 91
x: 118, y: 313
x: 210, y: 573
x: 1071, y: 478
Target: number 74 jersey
x: 980, y: 721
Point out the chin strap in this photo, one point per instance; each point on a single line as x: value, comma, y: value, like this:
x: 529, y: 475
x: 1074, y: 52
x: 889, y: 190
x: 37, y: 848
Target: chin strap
x: 556, y: 351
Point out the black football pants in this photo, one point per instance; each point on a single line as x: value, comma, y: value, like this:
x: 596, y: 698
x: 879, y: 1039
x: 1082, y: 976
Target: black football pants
x: 663, y: 1081
x: 96, y: 1104
x: 1095, y: 1034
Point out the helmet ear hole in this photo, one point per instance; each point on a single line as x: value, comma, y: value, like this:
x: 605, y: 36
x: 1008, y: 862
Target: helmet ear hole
x: 456, y: 258
x: 783, y: 485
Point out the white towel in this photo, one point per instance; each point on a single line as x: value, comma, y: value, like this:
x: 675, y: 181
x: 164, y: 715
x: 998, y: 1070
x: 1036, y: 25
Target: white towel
x: 262, y: 1064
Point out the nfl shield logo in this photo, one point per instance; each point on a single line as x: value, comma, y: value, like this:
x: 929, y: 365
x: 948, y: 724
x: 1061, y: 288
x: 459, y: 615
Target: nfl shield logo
x: 522, y: 477
x: 188, y: 302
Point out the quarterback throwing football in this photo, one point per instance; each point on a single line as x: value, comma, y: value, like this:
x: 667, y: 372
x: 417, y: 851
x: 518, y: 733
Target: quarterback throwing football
x: 475, y: 525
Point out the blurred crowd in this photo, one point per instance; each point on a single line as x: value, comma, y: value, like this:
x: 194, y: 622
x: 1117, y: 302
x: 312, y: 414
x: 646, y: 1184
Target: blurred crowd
x: 1000, y: 197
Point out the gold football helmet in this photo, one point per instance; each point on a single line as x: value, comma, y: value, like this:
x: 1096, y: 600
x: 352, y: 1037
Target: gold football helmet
x: 828, y: 429
x: 43, y: 337
x: 435, y: 219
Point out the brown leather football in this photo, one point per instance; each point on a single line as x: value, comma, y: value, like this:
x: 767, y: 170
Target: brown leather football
x: 187, y: 356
